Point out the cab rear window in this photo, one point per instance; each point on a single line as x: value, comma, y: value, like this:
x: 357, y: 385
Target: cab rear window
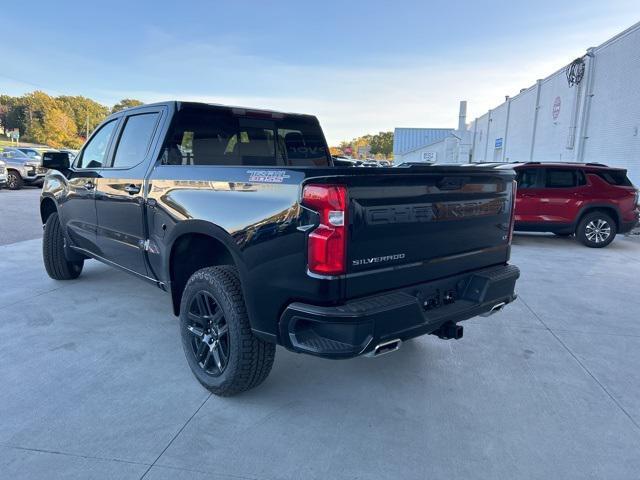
x: 219, y: 136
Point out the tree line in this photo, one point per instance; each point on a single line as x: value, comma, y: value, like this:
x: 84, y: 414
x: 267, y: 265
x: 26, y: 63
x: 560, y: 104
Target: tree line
x: 379, y: 145
x: 63, y: 121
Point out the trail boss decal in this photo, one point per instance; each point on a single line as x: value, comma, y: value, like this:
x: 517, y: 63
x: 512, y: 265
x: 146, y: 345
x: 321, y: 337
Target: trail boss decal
x: 267, y: 176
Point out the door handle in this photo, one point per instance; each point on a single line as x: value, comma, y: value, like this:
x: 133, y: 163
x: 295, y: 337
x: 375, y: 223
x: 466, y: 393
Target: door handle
x: 132, y: 189
x: 89, y: 185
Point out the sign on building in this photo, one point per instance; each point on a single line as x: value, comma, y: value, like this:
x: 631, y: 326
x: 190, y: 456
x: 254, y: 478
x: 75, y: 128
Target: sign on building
x: 555, y: 112
x: 499, y: 142
x: 429, y: 156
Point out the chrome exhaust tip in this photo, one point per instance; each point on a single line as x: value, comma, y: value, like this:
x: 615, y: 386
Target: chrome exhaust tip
x: 495, y: 309
x: 385, y: 347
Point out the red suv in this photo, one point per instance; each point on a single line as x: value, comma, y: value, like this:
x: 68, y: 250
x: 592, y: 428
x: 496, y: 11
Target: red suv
x: 591, y: 200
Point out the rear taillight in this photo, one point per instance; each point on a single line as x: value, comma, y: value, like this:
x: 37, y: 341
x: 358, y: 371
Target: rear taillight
x: 327, y: 243
x: 512, y: 220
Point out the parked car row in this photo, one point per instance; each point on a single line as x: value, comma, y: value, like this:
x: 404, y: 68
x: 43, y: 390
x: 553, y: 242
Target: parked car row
x: 20, y: 166
x: 352, y: 162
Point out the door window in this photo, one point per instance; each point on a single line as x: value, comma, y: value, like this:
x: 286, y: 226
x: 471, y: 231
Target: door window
x: 95, y: 152
x: 527, y: 178
x: 135, y: 140
x: 563, y: 178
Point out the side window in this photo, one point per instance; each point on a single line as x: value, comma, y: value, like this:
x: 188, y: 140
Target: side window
x: 135, y: 139
x: 614, y: 177
x: 561, y: 178
x: 95, y: 152
x: 527, y: 178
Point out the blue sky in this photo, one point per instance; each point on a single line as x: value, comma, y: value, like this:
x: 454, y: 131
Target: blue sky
x: 361, y: 66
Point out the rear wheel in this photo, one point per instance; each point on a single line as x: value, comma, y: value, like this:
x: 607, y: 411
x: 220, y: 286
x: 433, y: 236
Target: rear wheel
x: 596, y: 230
x: 14, y: 180
x: 222, y: 351
x: 55, y: 261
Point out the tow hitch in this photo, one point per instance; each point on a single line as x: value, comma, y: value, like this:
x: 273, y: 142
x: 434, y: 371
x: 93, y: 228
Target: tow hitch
x: 449, y: 331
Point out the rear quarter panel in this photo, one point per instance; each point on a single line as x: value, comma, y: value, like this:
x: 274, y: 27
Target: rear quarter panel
x: 254, y: 214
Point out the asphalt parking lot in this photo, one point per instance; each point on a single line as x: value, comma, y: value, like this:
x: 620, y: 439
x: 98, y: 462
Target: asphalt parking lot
x: 95, y: 384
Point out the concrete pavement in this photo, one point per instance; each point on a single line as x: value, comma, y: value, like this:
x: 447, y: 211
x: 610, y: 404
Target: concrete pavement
x: 95, y: 385
x: 20, y: 210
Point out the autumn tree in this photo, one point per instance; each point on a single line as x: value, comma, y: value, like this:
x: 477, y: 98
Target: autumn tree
x: 381, y: 144
x: 125, y: 103
x: 85, y: 113
x: 40, y: 119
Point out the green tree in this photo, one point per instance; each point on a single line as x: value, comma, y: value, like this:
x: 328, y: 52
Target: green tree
x: 7, y: 103
x: 86, y: 113
x: 125, y: 103
x: 382, y: 143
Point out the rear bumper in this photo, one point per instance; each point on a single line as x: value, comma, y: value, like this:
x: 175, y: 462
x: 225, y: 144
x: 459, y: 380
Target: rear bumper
x: 627, y: 226
x: 356, y: 327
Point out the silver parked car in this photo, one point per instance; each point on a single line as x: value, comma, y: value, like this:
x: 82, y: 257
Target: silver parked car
x: 21, y: 169
x: 3, y: 173
x: 31, y: 153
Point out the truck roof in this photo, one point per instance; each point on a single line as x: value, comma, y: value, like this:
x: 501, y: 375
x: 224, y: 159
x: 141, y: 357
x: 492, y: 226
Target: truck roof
x: 179, y: 104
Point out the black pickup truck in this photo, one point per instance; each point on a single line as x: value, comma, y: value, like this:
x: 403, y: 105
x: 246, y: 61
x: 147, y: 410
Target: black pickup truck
x: 260, y: 239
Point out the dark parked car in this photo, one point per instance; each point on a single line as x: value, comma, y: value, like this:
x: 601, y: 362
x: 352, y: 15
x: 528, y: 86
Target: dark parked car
x: 592, y: 201
x: 260, y: 240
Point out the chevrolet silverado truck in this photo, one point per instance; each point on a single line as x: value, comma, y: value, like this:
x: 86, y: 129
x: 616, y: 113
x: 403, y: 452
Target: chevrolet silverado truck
x: 242, y: 217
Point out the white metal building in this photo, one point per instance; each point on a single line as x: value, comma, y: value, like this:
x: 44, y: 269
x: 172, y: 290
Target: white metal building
x: 595, y: 120
x: 441, y: 145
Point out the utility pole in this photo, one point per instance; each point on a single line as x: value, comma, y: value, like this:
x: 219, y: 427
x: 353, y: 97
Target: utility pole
x: 86, y: 130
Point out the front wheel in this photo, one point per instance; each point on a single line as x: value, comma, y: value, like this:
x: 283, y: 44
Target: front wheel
x: 55, y: 261
x: 596, y: 230
x: 14, y: 180
x: 222, y: 351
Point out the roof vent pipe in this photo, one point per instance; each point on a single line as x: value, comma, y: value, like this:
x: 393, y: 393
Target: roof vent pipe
x: 462, y: 117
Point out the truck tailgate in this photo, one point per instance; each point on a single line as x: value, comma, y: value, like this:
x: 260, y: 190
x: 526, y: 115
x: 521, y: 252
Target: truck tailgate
x: 417, y: 226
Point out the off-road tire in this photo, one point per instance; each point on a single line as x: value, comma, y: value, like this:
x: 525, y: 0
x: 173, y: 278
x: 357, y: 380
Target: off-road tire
x: 584, y: 231
x: 249, y: 358
x: 55, y: 262
x: 14, y: 180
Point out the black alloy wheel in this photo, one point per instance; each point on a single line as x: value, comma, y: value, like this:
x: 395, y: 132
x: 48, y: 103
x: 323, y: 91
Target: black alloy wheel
x: 220, y: 348
x: 211, y: 341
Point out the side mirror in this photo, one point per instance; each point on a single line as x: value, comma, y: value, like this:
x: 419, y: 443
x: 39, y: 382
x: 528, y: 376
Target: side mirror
x: 56, y: 161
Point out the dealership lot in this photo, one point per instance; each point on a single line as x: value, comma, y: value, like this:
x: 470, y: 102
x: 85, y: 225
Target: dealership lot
x: 95, y: 384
